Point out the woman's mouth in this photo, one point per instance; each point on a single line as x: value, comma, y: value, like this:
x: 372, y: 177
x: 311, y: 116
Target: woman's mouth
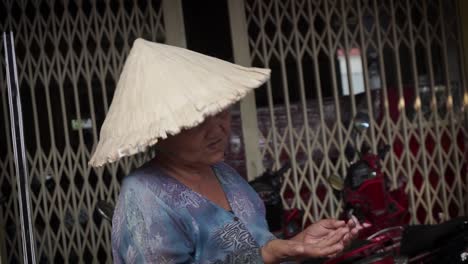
x: 215, y: 144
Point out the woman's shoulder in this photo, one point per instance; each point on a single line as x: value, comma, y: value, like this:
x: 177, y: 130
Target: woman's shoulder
x: 145, y: 187
x: 145, y: 177
x: 227, y: 172
x: 152, y: 182
x: 223, y: 166
x: 229, y: 176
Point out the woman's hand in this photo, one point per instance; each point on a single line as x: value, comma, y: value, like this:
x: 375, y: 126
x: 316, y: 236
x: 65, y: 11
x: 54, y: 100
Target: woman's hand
x: 326, y: 227
x: 278, y: 250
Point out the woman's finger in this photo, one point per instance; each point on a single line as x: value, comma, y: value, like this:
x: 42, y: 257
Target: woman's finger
x: 347, y: 239
x: 356, y: 222
x: 351, y: 224
x: 332, y: 223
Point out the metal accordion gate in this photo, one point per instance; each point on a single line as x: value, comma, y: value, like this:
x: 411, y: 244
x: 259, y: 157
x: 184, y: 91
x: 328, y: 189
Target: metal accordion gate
x: 398, y: 60
x: 69, y: 55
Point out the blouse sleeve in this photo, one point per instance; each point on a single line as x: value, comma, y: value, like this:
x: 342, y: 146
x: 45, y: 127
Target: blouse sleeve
x: 145, y: 230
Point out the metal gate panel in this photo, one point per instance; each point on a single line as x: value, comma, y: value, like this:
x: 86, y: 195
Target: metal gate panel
x: 70, y: 54
x: 417, y: 105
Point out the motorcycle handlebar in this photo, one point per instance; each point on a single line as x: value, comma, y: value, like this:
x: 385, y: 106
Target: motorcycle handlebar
x: 420, y: 238
x: 385, y: 230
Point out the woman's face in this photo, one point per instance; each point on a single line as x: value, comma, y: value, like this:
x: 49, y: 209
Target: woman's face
x: 203, y: 144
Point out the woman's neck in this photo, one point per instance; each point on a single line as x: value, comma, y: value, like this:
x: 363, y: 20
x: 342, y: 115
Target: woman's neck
x: 199, y: 177
x: 177, y: 168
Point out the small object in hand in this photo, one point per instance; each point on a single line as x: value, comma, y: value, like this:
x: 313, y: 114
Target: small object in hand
x: 352, y: 217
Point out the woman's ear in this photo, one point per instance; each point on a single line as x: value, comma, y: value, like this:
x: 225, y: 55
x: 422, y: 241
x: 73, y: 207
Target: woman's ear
x: 163, y: 147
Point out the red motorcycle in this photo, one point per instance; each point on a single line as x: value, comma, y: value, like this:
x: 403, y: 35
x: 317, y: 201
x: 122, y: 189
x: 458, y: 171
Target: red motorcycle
x: 389, y: 239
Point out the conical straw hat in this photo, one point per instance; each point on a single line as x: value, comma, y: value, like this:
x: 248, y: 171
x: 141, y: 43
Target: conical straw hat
x: 163, y: 89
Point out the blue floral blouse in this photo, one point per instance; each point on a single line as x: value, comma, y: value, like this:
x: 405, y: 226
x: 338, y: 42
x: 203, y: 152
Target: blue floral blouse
x: 160, y: 220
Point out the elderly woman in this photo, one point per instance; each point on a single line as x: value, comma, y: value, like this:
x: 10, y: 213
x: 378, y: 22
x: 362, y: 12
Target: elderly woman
x: 187, y: 205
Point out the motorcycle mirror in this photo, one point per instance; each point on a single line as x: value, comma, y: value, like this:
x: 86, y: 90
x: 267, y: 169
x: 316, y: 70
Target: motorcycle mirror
x: 336, y: 182
x: 361, y: 122
x: 105, y: 209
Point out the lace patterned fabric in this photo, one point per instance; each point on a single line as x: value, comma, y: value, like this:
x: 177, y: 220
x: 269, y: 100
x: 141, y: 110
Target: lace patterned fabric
x: 160, y: 220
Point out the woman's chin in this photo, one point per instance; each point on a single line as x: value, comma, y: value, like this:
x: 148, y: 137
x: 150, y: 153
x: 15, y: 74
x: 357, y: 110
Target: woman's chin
x: 215, y: 158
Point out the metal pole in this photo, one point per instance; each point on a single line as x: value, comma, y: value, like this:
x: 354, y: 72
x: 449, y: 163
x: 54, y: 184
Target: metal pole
x: 248, y: 108
x: 174, y: 23
x: 19, y: 150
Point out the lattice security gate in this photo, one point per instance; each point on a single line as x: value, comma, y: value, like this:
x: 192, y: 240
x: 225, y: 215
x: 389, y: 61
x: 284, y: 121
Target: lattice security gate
x: 70, y: 54
x: 402, y: 58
